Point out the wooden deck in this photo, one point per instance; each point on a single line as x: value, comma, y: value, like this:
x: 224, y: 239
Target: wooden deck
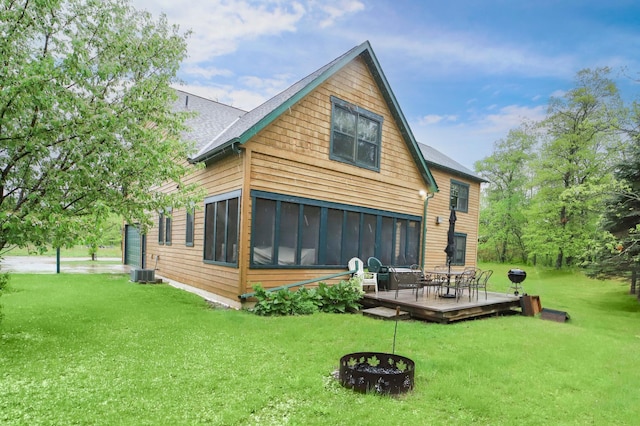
x: 444, y: 310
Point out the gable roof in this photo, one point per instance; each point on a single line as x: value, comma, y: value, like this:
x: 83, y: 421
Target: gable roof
x: 248, y: 125
x: 435, y: 158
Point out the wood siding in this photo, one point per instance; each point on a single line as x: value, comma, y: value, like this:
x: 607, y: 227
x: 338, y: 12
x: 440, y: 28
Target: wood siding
x: 185, y: 264
x: 466, y: 223
x: 291, y: 156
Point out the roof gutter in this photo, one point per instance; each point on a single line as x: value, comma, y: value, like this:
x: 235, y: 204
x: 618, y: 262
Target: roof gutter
x: 228, y: 147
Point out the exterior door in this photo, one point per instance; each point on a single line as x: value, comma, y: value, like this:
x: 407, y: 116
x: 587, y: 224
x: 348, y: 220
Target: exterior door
x: 133, y: 247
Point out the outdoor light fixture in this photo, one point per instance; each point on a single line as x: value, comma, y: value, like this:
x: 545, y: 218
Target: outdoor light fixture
x: 438, y: 220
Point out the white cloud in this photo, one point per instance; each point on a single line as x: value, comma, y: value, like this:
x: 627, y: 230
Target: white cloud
x: 219, y: 26
x: 471, y: 140
x: 434, y: 119
x: 337, y: 9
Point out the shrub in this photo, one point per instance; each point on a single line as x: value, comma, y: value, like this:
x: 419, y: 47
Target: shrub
x: 340, y: 298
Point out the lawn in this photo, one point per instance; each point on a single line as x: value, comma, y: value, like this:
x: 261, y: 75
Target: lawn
x: 98, y: 349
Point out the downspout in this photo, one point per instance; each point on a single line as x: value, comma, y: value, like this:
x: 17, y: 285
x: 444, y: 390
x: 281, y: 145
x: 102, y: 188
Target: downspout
x: 426, y: 196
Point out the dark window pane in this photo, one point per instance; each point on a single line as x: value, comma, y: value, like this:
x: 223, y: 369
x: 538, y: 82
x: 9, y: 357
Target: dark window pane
x: 413, y: 240
x: 264, y: 231
x: 368, y: 237
x: 461, y: 248
x: 343, y: 146
x: 161, y: 228
x: 189, y: 226
x: 167, y: 229
x: 232, y: 230
x: 368, y: 129
x: 386, y: 241
x: 367, y: 154
x: 288, y: 247
x: 310, y: 227
x: 221, y: 226
x: 334, y: 236
x: 351, y: 237
x: 344, y: 122
x: 209, y: 221
x: 401, y: 243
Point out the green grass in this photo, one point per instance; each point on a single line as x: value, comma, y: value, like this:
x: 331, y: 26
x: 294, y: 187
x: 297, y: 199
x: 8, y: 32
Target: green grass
x: 97, y: 349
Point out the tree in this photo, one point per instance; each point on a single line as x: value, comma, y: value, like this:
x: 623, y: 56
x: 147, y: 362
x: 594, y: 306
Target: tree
x: 618, y: 254
x: 86, y: 120
x: 574, y: 167
x: 502, y: 218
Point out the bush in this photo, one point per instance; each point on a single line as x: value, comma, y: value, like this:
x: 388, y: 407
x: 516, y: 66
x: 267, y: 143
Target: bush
x: 340, y: 298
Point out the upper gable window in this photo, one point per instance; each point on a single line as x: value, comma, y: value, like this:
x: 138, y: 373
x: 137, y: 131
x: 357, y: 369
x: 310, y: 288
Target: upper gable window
x: 355, y: 135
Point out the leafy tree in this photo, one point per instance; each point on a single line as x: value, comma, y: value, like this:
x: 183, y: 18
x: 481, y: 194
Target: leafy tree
x: 618, y: 254
x: 502, y: 219
x: 106, y: 232
x: 86, y: 120
x: 574, y: 167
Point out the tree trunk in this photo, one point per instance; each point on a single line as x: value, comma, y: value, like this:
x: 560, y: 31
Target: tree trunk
x: 634, y: 278
x: 559, y: 259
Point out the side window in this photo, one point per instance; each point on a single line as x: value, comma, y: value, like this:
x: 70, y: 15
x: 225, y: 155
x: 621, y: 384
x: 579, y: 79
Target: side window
x: 167, y: 227
x: 189, y: 227
x: 160, y: 227
x: 461, y: 249
x: 222, y: 219
x: 459, y: 196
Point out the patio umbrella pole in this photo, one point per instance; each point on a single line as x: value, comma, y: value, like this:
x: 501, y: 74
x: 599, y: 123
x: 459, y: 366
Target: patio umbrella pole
x: 450, y: 249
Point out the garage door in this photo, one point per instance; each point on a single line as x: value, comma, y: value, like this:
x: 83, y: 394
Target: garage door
x: 133, y: 246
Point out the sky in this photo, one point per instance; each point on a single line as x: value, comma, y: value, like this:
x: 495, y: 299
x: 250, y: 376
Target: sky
x: 464, y: 72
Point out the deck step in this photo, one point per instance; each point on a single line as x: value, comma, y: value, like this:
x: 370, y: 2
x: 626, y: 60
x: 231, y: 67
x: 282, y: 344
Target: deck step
x: 381, y: 312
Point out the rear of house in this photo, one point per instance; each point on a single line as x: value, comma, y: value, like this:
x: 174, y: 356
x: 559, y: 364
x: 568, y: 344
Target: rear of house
x: 324, y: 171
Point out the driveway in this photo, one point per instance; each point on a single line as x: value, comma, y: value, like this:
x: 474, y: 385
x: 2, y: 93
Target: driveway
x: 47, y: 265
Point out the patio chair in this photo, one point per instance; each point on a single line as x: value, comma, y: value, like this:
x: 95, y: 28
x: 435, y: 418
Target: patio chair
x: 381, y: 271
x: 464, y: 280
x: 428, y: 280
x: 366, y: 278
x: 414, y: 284
x: 481, y: 282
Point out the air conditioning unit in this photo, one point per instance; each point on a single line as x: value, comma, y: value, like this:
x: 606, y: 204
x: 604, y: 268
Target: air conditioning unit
x: 143, y: 275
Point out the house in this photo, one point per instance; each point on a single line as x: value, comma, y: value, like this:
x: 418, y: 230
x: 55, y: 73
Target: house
x: 326, y: 170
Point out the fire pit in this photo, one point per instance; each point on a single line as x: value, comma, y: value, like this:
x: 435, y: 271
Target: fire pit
x: 516, y: 276
x: 382, y: 373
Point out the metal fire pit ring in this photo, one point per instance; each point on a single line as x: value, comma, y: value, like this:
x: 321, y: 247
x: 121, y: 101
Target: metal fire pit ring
x: 377, y: 372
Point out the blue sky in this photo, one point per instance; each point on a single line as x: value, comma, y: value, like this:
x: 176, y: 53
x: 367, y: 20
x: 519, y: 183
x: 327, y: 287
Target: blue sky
x: 464, y: 72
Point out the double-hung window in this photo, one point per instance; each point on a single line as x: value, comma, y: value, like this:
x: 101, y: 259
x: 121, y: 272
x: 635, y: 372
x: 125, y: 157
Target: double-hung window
x: 161, y: 227
x: 461, y: 249
x: 221, y: 228
x: 167, y: 226
x: 355, y: 135
x: 459, y: 196
x: 164, y: 227
x: 189, y: 227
